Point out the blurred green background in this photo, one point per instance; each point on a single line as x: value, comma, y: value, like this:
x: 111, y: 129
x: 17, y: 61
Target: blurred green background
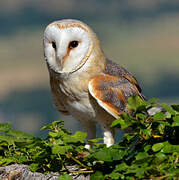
x: 141, y: 35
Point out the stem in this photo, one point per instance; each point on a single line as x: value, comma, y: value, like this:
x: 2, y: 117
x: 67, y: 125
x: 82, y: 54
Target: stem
x: 81, y: 172
x: 77, y: 161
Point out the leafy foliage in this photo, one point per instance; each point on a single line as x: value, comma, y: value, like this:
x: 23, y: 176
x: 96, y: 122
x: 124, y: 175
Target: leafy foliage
x: 148, y: 150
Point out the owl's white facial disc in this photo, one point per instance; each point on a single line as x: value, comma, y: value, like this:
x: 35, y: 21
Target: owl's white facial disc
x: 66, y: 47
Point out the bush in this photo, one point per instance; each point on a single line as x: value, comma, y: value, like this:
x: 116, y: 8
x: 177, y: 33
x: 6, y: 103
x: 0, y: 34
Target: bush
x: 149, y: 151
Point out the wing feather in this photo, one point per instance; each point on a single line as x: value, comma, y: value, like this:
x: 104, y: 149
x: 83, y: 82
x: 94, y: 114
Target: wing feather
x: 115, y: 69
x: 112, y: 92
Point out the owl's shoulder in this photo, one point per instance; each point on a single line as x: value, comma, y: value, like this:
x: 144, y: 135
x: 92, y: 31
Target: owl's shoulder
x: 114, y: 69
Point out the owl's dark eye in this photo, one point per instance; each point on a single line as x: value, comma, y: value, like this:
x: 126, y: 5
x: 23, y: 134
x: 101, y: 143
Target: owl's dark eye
x: 73, y: 44
x: 54, y: 45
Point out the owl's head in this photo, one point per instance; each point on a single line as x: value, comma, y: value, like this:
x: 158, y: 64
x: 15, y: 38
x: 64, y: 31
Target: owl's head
x: 68, y: 44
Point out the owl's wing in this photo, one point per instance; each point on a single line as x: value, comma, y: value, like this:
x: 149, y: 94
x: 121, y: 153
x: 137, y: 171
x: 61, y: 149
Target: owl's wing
x: 112, y: 92
x: 115, y: 69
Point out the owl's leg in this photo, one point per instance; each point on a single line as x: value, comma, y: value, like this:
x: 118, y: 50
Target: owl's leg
x: 90, y: 128
x: 108, y: 136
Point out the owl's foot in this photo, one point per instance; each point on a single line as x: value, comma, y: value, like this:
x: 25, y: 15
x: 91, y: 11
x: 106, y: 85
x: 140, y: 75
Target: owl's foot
x: 87, y: 146
x: 108, y: 138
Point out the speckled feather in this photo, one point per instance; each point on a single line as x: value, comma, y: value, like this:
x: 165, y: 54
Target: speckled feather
x: 115, y: 69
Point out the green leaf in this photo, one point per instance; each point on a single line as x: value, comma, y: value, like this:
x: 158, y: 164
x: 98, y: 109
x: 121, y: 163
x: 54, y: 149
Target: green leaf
x: 169, y: 148
x: 176, y: 121
x: 60, y: 149
x: 146, y: 132
x: 147, y: 147
x: 97, y: 176
x: 77, y: 137
x: 159, y: 116
x: 53, y: 134
x: 153, y: 100
x: 9, y: 139
x: 141, y: 155
x: 169, y: 109
x: 123, y: 124
x: 20, y: 134
x: 134, y: 102
x: 109, y: 154
x: 5, y: 127
x: 157, y: 147
x: 160, y: 156
x: 53, y: 125
x: 115, y: 123
x: 113, y: 175
x: 80, y: 136
x: 94, y: 141
x: 121, y: 167
x: 141, y: 116
x: 118, y: 154
x: 6, y: 161
x: 175, y: 107
x: 34, y: 167
x: 65, y: 177
x: 103, y: 155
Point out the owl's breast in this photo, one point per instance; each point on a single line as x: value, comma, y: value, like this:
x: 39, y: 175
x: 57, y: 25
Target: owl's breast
x: 74, y: 96
x: 82, y: 109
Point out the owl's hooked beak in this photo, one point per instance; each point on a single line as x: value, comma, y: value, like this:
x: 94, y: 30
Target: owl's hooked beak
x: 61, y: 56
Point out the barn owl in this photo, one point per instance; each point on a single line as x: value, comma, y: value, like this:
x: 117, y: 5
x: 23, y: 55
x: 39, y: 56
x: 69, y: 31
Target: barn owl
x: 84, y: 83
